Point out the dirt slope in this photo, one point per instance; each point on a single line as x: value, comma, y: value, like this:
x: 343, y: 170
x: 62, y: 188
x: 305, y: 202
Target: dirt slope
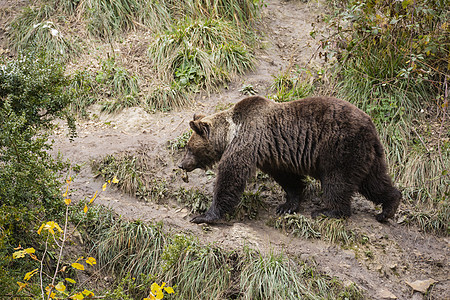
x: 395, y: 254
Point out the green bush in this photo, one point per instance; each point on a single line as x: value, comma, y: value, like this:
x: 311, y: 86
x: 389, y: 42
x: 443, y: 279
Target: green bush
x: 392, y: 47
x: 32, y: 94
x: 34, y: 86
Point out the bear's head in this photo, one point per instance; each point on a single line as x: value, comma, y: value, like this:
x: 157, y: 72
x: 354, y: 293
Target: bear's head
x: 201, y: 150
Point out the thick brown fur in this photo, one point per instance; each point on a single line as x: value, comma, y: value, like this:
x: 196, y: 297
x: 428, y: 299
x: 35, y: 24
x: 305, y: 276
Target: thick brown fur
x: 326, y: 138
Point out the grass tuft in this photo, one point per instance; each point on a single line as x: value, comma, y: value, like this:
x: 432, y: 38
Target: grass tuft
x: 197, y: 54
x: 35, y: 29
x: 131, y: 247
x: 332, y: 230
x: 290, y: 86
x: 166, y: 98
x: 200, y: 272
x: 181, y: 141
x: 195, y: 200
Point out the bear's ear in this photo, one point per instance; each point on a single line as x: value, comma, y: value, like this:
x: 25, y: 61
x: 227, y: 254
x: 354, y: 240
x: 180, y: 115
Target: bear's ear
x: 201, y: 128
x: 198, y: 116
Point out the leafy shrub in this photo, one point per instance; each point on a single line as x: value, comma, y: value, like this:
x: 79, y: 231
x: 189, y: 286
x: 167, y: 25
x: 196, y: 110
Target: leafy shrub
x: 32, y: 94
x: 195, y: 200
x: 34, y: 86
x: 390, y: 47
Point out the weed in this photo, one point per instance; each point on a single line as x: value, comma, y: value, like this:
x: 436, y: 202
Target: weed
x: 134, y: 174
x: 223, y: 106
x: 197, y: 54
x: 82, y: 90
x: 166, y: 98
x: 298, y: 225
x: 117, y: 82
x: 181, y: 141
x: 199, y: 271
x: 332, y: 230
x: 195, y: 200
x: 289, y: 87
x: 249, y: 206
x: 271, y: 277
x: 248, y: 89
x: 435, y: 221
x: 119, y: 104
x: 107, y: 19
x: 131, y: 247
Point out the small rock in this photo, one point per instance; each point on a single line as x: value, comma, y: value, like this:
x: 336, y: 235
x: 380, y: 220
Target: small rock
x: 348, y: 283
x: 385, y: 295
x: 304, y: 256
x: 421, y: 285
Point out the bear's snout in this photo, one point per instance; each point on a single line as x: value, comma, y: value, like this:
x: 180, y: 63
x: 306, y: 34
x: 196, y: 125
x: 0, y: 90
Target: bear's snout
x: 188, y: 163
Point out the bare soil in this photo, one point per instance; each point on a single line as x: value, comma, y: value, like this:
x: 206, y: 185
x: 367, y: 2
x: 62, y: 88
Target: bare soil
x: 395, y: 254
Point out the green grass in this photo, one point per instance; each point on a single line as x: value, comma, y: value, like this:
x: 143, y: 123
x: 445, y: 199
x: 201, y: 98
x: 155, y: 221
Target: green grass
x: 131, y: 247
x: 202, y: 51
x: 194, y: 199
x: 83, y: 92
x: 166, y: 98
x: 250, y: 205
x: 274, y: 276
x: 38, y: 29
x: 181, y: 141
x: 332, y: 230
x: 200, y: 272
x: 108, y: 19
x: 197, y: 54
x: 197, y: 271
x: 290, y: 86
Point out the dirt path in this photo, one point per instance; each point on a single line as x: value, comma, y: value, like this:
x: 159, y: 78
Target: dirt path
x: 394, y: 255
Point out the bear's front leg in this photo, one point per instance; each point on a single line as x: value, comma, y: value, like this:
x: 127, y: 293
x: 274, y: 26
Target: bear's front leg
x: 233, y: 173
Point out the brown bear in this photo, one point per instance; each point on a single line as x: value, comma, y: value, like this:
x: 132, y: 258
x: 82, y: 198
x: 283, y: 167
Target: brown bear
x: 326, y: 138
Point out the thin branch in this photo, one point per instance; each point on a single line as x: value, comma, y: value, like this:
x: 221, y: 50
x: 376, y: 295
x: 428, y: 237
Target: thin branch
x: 42, y: 267
x: 60, y: 252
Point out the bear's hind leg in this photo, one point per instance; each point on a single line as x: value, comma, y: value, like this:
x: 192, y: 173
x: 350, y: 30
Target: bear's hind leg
x: 378, y: 188
x: 293, y: 185
x: 337, y: 194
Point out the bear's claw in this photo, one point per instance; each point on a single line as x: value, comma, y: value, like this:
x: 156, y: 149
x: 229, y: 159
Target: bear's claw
x: 204, y: 219
x: 286, y: 208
